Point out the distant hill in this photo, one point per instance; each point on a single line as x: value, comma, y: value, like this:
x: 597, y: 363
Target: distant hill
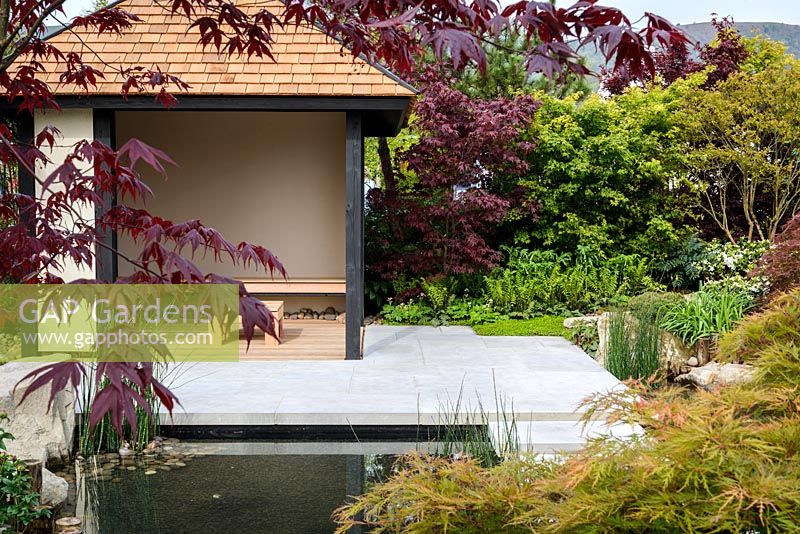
x: 788, y: 34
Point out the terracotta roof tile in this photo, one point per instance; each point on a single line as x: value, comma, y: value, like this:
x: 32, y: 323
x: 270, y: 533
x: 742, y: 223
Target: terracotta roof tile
x: 307, y: 62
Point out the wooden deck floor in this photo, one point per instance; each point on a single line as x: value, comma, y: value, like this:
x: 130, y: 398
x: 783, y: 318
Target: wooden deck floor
x: 302, y: 340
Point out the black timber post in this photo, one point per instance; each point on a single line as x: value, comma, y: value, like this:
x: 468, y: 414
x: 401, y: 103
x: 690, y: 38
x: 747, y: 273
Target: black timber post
x: 104, y: 127
x: 24, y: 135
x: 26, y: 185
x: 354, y: 235
x: 26, y: 182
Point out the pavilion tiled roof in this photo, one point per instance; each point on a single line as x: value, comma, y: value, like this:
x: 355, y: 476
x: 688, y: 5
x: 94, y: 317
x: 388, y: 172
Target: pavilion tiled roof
x: 307, y: 62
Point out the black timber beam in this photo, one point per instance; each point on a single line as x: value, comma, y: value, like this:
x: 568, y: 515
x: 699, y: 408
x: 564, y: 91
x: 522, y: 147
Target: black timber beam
x: 104, y: 127
x: 354, y: 235
x: 382, y: 116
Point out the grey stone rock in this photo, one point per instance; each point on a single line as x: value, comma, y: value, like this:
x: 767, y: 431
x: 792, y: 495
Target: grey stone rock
x: 330, y: 316
x: 692, y: 362
x: 40, y: 434
x: 715, y: 375
x: 342, y: 317
x: 330, y: 310
x: 54, y: 488
x: 572, y: 322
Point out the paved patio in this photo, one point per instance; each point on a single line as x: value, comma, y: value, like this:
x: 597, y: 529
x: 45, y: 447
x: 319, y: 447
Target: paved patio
x: 409, y: 376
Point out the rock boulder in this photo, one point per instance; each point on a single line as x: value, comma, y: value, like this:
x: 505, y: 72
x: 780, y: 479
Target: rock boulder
x: 714, y: 375
x: 54, y: 489
x: 39, y: 434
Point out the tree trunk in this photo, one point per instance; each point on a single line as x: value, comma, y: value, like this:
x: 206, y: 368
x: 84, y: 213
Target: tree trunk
x: 385, y: 156
x: 35, y: 469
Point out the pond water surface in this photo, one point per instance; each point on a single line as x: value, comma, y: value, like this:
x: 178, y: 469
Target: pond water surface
x: 226, y: 488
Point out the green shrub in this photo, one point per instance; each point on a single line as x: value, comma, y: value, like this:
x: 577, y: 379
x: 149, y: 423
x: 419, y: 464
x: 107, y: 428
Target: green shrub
x: 777, y: 326
x: 654, y: 302
x: 535, y: 282
x: 709, y: 312
x: 18, y: 502
x: 720, y: 461
x: 437, y: 292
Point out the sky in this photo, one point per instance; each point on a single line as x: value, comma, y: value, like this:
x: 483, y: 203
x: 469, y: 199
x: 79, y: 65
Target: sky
x: 677, y: 11
x: 688, y: 11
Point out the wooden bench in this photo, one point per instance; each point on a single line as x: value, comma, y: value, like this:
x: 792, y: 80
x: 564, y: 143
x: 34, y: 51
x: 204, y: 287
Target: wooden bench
x: 309, y: 287
x: 265, y: 289
x: 276, y: 307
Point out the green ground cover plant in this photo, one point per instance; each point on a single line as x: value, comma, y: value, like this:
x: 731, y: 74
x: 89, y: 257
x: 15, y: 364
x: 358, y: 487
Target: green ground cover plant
x: 709, y: 461
x: 457, y: 312
x: 545, y: 325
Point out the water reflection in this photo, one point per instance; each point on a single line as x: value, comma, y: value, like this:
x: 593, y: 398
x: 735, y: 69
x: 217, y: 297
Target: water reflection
x: 228, y: 488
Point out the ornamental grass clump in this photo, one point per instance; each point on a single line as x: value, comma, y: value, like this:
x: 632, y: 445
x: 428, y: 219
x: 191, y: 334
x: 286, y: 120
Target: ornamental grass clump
x: 709, y: 312
x: 721, y: 461
x: 634, y: 336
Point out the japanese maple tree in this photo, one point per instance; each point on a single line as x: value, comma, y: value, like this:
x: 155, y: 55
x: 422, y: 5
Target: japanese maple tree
x: 44, y: 231
x: 440, y: 223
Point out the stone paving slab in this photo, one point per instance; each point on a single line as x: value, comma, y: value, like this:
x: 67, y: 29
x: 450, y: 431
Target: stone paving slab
x: 409, y: 375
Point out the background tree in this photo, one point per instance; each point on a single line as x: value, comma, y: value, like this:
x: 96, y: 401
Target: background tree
x: 434, y: 216
x: 604, y: 173
x: 505, y: 74
x: 742, y: 143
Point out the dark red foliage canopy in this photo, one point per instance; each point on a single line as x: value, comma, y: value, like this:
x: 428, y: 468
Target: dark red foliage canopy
x: 440, y: 224
x: 781, y: 263
x: 45, y: 231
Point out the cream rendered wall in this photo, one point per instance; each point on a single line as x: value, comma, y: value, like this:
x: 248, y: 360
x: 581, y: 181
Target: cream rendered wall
x: 75, y: 125
x: 273, y: 179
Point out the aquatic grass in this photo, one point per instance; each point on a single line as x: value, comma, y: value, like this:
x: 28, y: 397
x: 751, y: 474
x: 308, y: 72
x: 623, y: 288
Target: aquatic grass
x: 465, y: 431
x: 104, y: 437
x: 619, y: 357
x: 101, y: 502
x: 634, y: 340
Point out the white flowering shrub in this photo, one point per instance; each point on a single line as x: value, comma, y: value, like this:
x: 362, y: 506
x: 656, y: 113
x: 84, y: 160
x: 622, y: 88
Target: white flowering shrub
x: 728, y: 264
